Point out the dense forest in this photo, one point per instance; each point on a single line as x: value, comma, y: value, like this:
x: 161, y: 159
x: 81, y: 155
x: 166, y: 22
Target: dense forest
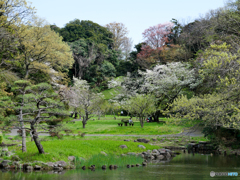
x: 183, y: 71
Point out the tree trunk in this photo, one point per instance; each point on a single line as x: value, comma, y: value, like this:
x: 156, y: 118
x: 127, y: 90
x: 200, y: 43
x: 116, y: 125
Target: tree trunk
x: 76, y: 114
x: 24, y: 147
x: 156, y: 116
x: 84, y: 123
x: 36, y: 140
x: 99, y: 115
x: 27, y: 71
x: 141, y: 121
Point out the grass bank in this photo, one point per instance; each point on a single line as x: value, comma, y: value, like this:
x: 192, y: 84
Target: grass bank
x: 88, y: 147
x: 60, y: 149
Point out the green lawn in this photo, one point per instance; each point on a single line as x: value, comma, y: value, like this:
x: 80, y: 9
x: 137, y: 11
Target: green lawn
x: 107, y: 125
x: 87, y: 147
x: 77, y: 146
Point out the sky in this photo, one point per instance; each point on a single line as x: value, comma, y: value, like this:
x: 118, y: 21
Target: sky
x: 136, y: 15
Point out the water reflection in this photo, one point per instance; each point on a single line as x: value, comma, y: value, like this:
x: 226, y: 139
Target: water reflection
x: 184, y: 166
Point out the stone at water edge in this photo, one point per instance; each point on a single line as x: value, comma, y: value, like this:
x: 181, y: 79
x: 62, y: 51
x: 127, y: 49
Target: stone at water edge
x: 61, y: 164
x: 104, y: 167
x: 144, y: 164
x: 71, y: 158
x: 161, y: 157
x: 123, y: 146
x: 168, y: 155
x: 36, y: 167
x: 126, y: 140
x: 4, y: 163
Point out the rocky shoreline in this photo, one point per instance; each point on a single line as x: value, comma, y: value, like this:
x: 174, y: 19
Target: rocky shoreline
x: 148, y: 156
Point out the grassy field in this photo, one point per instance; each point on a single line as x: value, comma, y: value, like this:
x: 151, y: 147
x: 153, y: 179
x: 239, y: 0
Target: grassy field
x: 107, y: 125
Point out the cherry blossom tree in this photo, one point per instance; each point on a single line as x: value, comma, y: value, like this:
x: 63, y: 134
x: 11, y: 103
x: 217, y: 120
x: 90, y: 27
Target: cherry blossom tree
x: 157, y: 36
x: 155, y: 39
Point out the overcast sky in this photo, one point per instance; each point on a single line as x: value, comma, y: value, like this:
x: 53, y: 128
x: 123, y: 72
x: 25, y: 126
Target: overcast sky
x: 137, y: 15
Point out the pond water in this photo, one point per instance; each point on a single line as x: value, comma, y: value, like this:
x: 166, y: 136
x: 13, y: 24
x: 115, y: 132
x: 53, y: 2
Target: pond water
x: 184, y: 166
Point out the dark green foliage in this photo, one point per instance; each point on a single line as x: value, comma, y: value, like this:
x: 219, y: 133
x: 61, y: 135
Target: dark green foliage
x: 220, y: 135
x: 107, y: 69
x: 76, y: 29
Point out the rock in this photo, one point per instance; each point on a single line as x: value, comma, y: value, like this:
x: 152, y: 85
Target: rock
x: 104, y: 167
x: 10, y: 138
x: 102, y: 152
x: 4, y: 163
x: 149, y: 151
x: 111, y: 167
x: 128, y: 166
x: 155, y: 154
x: 141, y: 146
x: 126, y: 140
x: 123, y: 146
x: 36, y: 167
x: 84, y: 167
x: 153, y: 139
x: 24, y: 166
x: 133, y: 165
x: 143, y: 140
x: 15, y: 158
x: 19, y: 145
x: 135, y: 141
x: 155, y: 151
x: 144, y: 164
x: 29, y: 168
x: 115, y: 166
x: 161, y: 157
x: 9, y: 153
x: 71, y: 158
x: 12, y: 167
x: 168, y: 155
x: 4, y: 149
x: 50, y: 164
x: 137, y: 165
x: 62, y: 164
x: 131, y: 153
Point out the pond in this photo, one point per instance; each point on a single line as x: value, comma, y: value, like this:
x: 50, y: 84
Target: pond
x: 184, y: 166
